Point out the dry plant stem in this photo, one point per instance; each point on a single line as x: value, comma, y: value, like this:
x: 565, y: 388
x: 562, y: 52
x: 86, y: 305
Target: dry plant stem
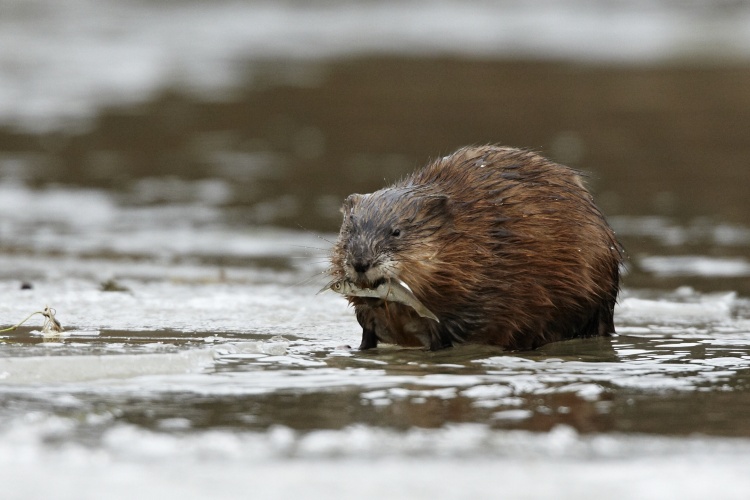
x: 10, y: 329
x: 50, y: 322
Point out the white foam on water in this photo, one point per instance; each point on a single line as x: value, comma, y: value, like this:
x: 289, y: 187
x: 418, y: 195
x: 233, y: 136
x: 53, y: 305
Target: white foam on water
x: 695, y: 265
x: 513, y: 414
x: 65, y: 334
x: 589, y: 380
x: 702, y: 309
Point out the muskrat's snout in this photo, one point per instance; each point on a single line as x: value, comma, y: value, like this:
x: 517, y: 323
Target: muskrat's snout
x: 361, y: 266
x: 364, y: 271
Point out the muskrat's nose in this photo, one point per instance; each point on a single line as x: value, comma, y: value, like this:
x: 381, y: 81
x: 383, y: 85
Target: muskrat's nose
x: 361, y: 266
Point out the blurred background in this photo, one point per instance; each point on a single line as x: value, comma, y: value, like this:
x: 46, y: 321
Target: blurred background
x: 151, y: 114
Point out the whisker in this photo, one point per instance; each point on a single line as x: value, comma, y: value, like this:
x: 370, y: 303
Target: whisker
x: 309, y: 279
x: 311, y: 248
x: 313, y: 258
x: 315, y: 234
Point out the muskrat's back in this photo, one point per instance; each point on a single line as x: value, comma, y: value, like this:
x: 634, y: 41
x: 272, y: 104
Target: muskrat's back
x: 504, y: 246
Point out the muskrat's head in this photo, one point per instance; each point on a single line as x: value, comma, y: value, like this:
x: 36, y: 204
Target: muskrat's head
x: 386, y: 233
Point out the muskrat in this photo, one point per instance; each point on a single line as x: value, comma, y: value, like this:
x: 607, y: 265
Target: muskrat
x: 505, y: 247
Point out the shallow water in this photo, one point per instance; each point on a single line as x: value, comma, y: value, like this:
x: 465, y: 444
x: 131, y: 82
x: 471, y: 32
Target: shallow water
x: 173, y: 198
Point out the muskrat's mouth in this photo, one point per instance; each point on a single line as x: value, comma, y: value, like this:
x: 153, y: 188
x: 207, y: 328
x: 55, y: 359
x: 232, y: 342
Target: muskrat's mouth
x: 376, y: 283
x: 390, y: 290
x: 365, y: 284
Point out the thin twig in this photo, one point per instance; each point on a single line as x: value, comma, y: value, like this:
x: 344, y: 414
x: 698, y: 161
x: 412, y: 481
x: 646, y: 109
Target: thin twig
x: 22, y: 322
x: 50, y: 322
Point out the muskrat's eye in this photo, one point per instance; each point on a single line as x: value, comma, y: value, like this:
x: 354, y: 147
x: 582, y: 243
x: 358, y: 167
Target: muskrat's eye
x: 396, y: 232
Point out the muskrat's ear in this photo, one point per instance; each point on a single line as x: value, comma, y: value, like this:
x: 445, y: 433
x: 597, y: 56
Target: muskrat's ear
x: 436, y: 204
x: 350, y: 202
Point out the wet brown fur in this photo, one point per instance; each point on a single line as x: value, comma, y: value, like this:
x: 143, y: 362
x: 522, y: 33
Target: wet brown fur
x: 505, y: 247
